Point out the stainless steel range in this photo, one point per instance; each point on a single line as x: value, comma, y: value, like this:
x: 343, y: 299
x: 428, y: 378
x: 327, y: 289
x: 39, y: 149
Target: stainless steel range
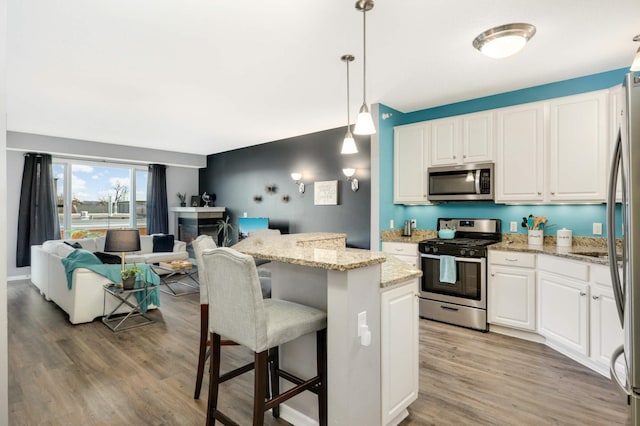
x: 454, y: 280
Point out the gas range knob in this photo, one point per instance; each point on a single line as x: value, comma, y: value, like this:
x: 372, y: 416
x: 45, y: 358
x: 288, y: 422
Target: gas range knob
x: 426, y: 249
x: 462, y: 252
x: 435, y: 249
x: 472, y: 252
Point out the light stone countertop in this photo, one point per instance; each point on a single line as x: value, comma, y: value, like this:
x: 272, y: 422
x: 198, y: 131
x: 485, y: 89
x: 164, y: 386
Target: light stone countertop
x: 311, y: 250
x: 572, y: 253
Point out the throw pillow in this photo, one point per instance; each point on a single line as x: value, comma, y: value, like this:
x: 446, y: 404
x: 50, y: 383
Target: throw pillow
x: 162, y: 243
x: 108, y: 259
x: 75, y: 245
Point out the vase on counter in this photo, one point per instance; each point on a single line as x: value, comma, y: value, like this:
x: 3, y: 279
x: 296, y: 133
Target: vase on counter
x: 535, y: 237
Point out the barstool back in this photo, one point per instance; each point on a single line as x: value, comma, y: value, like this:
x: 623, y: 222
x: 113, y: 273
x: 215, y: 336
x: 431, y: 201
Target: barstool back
x: 203, y: 242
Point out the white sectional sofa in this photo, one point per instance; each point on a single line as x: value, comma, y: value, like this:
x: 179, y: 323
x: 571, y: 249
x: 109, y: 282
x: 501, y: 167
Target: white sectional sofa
x: 85, y: 301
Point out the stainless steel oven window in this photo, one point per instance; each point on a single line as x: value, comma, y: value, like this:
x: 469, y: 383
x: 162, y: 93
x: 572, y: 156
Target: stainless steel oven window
x: 468, y: 284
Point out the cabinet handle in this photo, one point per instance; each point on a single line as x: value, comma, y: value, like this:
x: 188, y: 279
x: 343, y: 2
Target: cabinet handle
x: 454, y: 157
x: 464, y: 156
x: 539, y: 193
x: 553, y: 193
x: 595, y: 297
x: 493, y: 275
x: 582, y: 293
x: 510, y: 260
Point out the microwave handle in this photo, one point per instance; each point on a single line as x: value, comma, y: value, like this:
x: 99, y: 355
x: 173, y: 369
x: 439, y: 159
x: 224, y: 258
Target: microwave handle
x: 477, y: 179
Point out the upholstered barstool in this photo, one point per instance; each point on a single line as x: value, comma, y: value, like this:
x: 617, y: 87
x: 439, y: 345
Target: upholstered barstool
x: 238, y: 311
x: 203, y: 242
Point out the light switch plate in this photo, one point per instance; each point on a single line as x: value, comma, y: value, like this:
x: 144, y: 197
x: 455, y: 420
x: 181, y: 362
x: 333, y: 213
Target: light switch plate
x: 413, y: 223
x: 513, y: 227
x: 390, y: 223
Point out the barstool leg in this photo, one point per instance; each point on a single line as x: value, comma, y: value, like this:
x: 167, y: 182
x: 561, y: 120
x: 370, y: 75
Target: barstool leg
x: 275, y: 379
x: 321, y: 358
x: 202, y: 352
x: 260, y: 387
x: 214, y: 377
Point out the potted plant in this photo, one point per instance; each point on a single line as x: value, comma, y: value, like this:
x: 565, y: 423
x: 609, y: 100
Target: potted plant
x: 224, y: 228
x: 183, y: 199
x: 129, y: 276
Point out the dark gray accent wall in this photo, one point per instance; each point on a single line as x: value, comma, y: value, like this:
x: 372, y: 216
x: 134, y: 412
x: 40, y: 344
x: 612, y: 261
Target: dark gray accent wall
x: 236, y: 177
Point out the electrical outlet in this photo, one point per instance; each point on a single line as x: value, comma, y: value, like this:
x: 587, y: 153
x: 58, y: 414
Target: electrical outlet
x: 390, y: 223
x: 513, y: 227
x: 597, y: 229
x: 413, y: 223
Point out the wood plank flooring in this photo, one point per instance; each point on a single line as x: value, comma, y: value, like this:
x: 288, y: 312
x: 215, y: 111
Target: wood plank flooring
x: 63, y: 374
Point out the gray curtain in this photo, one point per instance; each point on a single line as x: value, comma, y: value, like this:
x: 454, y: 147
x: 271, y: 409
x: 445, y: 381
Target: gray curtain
x: 157, y: 214
x: 38, y: 214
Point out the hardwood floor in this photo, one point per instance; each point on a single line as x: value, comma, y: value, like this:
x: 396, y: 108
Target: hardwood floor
x: 63, y: 374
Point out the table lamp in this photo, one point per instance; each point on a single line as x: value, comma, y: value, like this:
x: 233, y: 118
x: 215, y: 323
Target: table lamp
x: 122, y: 240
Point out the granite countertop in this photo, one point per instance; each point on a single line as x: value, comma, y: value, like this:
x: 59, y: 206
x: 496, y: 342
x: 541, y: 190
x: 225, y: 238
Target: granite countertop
x: 417, y: 235
x: 295, y: 249
x: 578, y: 251
x: 395, y: 271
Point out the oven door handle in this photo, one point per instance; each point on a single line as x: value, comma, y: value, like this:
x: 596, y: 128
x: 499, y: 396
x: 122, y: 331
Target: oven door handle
x: 458, y: 259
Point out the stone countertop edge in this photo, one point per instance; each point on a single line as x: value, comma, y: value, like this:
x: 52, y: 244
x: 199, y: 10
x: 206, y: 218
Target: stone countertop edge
x: 572, y: 253
x: 394, y: 271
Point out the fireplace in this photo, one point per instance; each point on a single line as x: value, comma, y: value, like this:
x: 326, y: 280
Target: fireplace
x: 190, y: 222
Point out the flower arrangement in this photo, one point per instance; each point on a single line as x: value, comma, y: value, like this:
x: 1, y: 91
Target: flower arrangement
x: 183, y: 199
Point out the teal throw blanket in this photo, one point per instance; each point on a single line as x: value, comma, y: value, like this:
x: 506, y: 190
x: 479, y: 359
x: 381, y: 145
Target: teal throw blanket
x: 80, y: 258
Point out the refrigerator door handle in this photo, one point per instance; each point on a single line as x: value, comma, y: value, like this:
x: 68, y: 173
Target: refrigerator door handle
x: 614, y: 374
x: 618, y: 291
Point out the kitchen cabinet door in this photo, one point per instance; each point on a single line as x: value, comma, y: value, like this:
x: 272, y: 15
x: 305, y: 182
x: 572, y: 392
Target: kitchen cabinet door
x: 411, y: 151
x: 563, y: 310
x: 578, y: 147
x: 445, y: 141
x: 512, y: 297
x: 477, y: 137
x: 615, y: 106
x: 519, y: 153
x: 400, y: 350
x: 606, y: 331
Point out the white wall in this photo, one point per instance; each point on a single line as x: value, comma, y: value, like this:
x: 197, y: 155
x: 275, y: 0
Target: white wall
x: 4, y: 374
x: 179, y: 179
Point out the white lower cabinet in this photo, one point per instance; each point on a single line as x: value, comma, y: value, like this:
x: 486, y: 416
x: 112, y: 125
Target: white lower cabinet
x: 406, y: 252
x: 400, y: 368
x: 512, y: 290
x: 570, y: 303
x: 606, y: 330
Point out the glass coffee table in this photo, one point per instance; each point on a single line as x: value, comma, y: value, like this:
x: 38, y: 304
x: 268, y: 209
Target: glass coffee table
x: 175, y: 273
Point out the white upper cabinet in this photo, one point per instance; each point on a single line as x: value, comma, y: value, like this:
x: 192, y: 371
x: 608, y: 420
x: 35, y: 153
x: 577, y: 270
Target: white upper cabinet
x: 445, y: 141
x: 462, y: 139
x: 411, y: 154
x: 520, y: 153
x: 578, y: 147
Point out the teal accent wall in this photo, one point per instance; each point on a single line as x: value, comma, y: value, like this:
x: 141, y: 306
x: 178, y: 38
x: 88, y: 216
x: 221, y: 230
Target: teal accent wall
x: 579, y: 218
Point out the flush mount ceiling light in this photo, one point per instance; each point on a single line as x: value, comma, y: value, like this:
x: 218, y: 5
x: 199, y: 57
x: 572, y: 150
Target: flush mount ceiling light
x: 348, y: 145
x: 364, y: 122
x: 635, y: 65
x: 505, y: 40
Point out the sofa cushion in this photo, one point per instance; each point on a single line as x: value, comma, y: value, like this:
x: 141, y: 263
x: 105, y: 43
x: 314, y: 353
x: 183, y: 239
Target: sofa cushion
x: 162, y: 243
x: 63, y: 250
x: 107, y: 258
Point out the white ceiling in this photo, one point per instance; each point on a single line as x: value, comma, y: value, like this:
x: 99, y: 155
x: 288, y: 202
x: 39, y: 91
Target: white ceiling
x: 206, y: 76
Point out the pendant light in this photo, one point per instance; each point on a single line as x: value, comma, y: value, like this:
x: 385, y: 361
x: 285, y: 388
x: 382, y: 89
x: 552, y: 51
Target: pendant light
x: 635, y: 65
x: 348, y: 145
x: 364, y: 123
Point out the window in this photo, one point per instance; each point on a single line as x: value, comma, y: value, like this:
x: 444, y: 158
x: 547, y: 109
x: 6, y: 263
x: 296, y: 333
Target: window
x: 94, y: 197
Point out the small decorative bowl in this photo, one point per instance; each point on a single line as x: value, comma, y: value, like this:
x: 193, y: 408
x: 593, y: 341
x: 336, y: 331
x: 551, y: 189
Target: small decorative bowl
x: 446, y: 234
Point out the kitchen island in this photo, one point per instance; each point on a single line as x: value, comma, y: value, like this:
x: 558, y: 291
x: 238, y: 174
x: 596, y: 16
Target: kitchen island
x: 371, y: 313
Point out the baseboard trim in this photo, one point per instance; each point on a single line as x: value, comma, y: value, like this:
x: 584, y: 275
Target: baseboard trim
x: 295, y: 417
x: 19, y: 277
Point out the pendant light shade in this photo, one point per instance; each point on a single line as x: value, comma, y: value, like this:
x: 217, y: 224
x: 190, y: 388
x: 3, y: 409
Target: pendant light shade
x: 635, y: 65
x: 349, y: 144
x: 505, y: 40
x: 364, y: 122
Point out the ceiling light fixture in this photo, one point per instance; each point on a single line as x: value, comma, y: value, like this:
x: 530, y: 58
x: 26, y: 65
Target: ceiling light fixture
x: 349, y: 144
x: 504, y: 40
x: 364, y: 122
x: 635, y: 65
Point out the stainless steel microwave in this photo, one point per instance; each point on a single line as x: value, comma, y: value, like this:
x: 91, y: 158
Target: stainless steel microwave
x: 467, y: 182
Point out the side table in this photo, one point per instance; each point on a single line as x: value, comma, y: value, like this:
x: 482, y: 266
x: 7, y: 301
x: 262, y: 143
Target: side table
x: 184, y: 270
x: 116, y: 322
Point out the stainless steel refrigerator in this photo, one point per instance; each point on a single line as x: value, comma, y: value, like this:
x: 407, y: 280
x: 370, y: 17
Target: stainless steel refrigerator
x: 626, y: 164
